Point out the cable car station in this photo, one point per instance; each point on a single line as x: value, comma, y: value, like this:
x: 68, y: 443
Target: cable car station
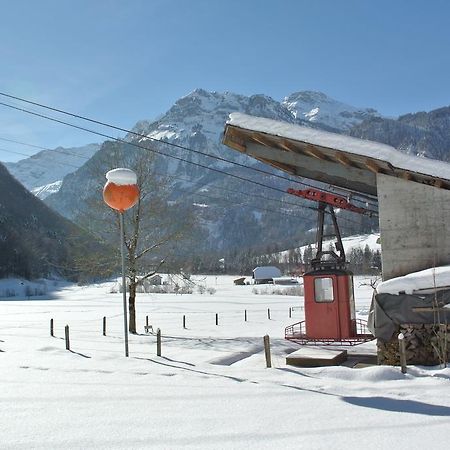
x: 413, y: 196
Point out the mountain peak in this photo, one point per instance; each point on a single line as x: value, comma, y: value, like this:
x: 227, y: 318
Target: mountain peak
x: 317, y: 107
x: 308, y: 97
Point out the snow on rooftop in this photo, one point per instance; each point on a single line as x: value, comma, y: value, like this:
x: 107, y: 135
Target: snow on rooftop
x: 417, y: 282
x: 371, y: 149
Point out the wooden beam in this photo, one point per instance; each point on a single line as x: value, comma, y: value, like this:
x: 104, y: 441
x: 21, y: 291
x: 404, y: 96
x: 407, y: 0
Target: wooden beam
x: 233, y: 140
x: 372, y: 166
x: 279, y: 165
x: 438, y: 183
x: 344, y: 160
x: 407, y: 176
x: 263, y: 140
x: 285, y: 145
x: 236, y: 145
x: 352, y: 178
x: 314, y: 152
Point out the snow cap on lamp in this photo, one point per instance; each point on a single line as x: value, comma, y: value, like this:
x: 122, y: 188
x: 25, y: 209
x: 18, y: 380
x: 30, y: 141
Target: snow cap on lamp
x: 121, y: 176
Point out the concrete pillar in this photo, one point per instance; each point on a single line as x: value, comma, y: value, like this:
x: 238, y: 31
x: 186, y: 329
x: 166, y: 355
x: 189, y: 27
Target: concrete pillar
x: 414, y: 226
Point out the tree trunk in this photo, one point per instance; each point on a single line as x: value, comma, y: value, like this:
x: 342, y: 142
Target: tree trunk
x: 132, y: 307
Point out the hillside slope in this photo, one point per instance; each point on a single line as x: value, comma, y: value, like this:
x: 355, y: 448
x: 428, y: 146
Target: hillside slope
x: 34, y: 240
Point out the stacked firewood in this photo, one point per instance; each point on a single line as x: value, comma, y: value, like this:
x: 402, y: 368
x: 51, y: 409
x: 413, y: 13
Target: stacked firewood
x: 425, y: 344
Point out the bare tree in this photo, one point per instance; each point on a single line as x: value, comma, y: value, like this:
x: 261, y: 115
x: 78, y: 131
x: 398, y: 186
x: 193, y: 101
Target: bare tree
x: 153, y: 228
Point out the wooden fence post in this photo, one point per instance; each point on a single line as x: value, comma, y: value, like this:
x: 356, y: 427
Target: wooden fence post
x: 290, y: 312
x: 104, y: 326
x: 184, y: 321
x: 402, y: 350
x: 146, y: 322
x: 51, y: 328
x: 245, y: 315
x: 267, y: 351
x: 217, y: 319
x: 268, y: 313
x: 158, y: 342
x: 66, y: 332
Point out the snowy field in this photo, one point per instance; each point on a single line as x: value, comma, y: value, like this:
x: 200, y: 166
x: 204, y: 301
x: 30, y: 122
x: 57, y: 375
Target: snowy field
x: 209, y: 390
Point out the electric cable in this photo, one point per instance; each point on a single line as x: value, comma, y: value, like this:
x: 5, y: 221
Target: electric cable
x: 179, y: 146
x: 53, y: 119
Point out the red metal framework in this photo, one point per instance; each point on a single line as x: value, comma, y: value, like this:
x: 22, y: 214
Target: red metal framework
x: 297, y: 333
x: 331, y: 199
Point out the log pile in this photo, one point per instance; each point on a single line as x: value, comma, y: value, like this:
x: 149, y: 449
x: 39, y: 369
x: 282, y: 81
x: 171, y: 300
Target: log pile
x: 426, y: 344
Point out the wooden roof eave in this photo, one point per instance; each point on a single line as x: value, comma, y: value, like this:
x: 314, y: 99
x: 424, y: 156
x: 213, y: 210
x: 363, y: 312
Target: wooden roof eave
x: 238, y: 138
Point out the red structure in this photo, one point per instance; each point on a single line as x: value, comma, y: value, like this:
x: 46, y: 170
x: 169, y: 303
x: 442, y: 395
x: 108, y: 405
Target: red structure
x: 329, y: 295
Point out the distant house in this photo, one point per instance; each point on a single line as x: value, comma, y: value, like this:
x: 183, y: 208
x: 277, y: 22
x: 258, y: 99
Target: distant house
x: 155, y: 280
x: 265, y: 274
x: 146, y: 285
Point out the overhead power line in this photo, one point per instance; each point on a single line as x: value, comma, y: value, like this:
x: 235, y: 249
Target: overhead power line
x: 201, y: 194
x: 63, y: 151
x: 107, y: 136
x: 172, y: 144
x: 39, y: 164
x: 134, y: 144
x: 221, y: 189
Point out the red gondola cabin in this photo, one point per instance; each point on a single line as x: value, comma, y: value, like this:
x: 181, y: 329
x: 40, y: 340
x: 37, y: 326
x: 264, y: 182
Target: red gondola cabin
x: 329, y: 298
x: 329, y: 304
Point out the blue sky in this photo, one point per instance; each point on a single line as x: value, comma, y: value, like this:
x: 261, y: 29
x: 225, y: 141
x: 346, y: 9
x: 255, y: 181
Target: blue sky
x: 122, y: 61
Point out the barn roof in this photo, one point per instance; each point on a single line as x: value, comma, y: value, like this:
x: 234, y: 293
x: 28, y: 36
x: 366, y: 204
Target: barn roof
x: 332, y: 158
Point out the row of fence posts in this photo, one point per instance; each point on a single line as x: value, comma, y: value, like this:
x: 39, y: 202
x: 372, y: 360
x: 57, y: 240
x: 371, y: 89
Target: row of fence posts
x: 217, y: 317
x: 184, y: 321
x: 266, y: 338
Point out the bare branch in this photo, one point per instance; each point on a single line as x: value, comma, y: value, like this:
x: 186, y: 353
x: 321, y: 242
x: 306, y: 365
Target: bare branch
x: 150, y: 274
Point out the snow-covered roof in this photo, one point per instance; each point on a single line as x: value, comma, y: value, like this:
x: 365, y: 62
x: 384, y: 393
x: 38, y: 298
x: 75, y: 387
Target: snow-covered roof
x: 265, y: 272
x: 359, y: 159
x: 424, y: 281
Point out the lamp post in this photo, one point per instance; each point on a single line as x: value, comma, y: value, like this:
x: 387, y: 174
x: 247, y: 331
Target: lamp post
x: 121, y: 193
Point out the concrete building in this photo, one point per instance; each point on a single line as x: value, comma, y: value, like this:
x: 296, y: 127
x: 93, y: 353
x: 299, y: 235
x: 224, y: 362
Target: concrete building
x: 413, y: 193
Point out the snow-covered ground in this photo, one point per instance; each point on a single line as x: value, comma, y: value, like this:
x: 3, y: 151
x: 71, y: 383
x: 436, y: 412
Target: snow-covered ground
x: 210, y: 389
x: 358, y: 241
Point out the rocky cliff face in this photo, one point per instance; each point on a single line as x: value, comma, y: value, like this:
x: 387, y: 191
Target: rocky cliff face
x: 318, y: 108
x: 43, y: 172
x: 227, y: 214
x: 422, y: 134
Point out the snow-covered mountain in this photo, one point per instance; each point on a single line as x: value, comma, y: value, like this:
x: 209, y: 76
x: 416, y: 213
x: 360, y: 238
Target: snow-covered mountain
x: 230, y: 212
x: 420, y: 134
x: 43, y: 172
x: 318, y: 108
x: 225, y: 208
x: 196, y: 121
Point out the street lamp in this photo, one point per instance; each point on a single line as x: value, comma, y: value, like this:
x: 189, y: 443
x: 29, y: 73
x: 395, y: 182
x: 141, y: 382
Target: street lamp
x: 121, y: 193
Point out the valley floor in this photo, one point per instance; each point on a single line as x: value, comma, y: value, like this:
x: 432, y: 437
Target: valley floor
x: 209, y: 390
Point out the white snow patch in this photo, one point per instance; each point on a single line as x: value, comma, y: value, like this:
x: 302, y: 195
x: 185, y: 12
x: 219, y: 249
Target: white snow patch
x: 122, y: 176
x: 424, y: 281
x: 46, y: 190
x: 311, y: 115
x: 351, y: 242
